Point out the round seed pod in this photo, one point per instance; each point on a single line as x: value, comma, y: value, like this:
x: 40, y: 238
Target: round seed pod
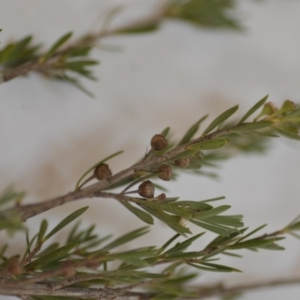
x: 146, y: 189
x: 14, y: 267
x: 69, y: 268
x: 102, y: 172
x: 158, y: 142
x: 161, y: 197
x: 183, y: 162
x: 165, y: 172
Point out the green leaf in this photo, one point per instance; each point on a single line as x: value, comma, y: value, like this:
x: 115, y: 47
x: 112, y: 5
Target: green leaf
x: 251, y: 126
x: 213, y: 199
x: 220, y: 119
x: 11, y: 221
x: 167, y: 243
x: 253, y: 109
x: 42, y: 231
x: 57, y: 45
x: 29, y: 243
x: 287, y: 133
x: 126, y: 238
x: 183, y: 255
x: 135, y: 256
x: 165, y: 132
x: 198, y: 205
x: 254, y: 243
x: 295, y: 113
x: 232, y: 221
x: 139, y: 213
x: 191, y: 132
x: 80, y: 67
x: 204, y: 13
x: 274, y: 247
x: 10, y: 195
x: 74, y: 81
x: 251, y: 233
x: 66, y: 221
x: 82, y: 51
x: 296, y: 220
x: 208, y: 145
x: 171, y: 221
x: 5, y: 53
x: 179, y: 247
x: 221, y: 230
x: 50, y: 257
x: 295, y: 226
x: 171, y: 207
x: 174, y: 208
x: 213, y: 267
x: 49, y: 249
x: 95, y: 166
x: 141, y: 28
x: 211, y: 212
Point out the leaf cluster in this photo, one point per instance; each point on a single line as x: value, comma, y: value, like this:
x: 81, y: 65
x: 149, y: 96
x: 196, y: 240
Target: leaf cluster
x: 205, y: 13
x: 86, y: 259
x: 10, y: 220
x: 200, y: 151
x: 69, y: 61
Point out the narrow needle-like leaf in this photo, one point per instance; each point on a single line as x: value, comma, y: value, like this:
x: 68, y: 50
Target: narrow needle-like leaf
x: 220, y: 119
x: 253, y: 109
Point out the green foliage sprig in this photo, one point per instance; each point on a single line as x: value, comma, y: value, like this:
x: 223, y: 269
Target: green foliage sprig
x: 70, y: 61
x: 88, y: 260
x: 90, y: 266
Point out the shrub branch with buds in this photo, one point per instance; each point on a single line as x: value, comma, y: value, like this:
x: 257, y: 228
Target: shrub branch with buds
x: 87, y: 265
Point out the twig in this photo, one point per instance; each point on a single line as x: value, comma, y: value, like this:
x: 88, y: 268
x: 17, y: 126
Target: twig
x: 220, y: 290
x: 77, y: 292
x: 95, y: 190
x: 38, y: 66
x: 68, y: 267
x: 123, y: 293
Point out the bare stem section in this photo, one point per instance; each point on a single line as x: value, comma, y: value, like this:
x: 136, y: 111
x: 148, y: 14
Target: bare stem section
x: 126, y: 293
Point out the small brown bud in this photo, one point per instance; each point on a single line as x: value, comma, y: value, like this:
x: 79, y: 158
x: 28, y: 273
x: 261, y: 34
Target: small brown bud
x: 165, y: 172
x: 146, y: 189
x: 269, y: 108
x: 14, y: 267
x: 287, y: 106
x: 183, y: 162
x: 161, y: 197
x: 102, y: 172
x: 158, y: 142
x: 68, y: 268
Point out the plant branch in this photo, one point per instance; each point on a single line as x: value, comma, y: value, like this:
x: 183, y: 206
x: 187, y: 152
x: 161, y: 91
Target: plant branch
x: 124, y: 293
x: 91, y: 39
x: 221, y: 290
x: 95, y: 190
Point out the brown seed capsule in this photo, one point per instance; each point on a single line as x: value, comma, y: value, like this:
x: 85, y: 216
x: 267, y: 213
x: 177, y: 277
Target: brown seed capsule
x: 14, y: 267
x: 68, y: 268
x: 102, y: 172
x: 165, y: 172
x: 146, y: 189
x: 183, y: 162
x: 158, y: 142
x: 161, y: 197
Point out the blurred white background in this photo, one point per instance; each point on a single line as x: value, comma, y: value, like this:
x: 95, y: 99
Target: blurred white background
x: 50, y: 132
